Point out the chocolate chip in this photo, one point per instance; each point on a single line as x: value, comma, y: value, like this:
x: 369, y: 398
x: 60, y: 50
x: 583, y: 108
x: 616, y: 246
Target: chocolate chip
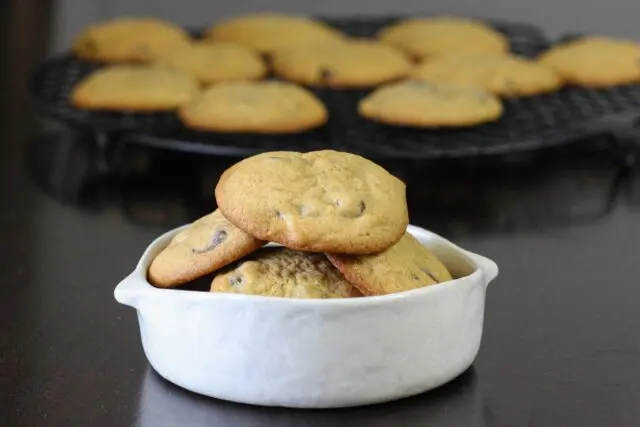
x: 236, y: 281
x: 434, y: 278
x: 326, y: 74
x: 218, y: 237
x: 362, y: 207
x: 354, y: 212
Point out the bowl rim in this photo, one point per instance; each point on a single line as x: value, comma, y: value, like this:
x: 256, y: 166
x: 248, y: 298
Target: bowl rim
x: 485, y: 270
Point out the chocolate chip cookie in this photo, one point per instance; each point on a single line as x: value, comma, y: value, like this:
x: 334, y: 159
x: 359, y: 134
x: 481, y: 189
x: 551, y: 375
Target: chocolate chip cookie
x: 501, y: 74
x: 406, y: 265
x: 595, y: 61
x: 254, y: 107
x: 420, y: 104
x: 281, y: 272
x: 270, y: 31
x: 216, y: 62
x: 428, y: 37
x: 354, y: 63
x: 206, y: 245
x: 129, y: 40
x: 322, y: 201
x: 134, y: 88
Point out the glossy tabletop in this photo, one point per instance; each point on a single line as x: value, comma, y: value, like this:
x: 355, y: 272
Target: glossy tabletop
x: 561, y: 342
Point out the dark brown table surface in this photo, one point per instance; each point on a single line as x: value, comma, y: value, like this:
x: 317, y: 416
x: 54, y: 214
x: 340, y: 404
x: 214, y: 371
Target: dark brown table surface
x: 561, y: 345
x: 562, y: 330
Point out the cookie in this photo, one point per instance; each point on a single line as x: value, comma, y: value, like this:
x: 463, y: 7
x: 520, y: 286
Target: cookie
x: 321, y: 201
x: 281, y: 272
x: 421, y: 104
x: 269, y: 31
x: 129, y: 40
x: 506, y: 75
x: 427, y: 37
x: 207, y: 245
x: 406, y: 265
x: 216, y: 62
x: 356, y: 63
x: 254, y: 107
x: 595, y: 61
x: 134, y: 88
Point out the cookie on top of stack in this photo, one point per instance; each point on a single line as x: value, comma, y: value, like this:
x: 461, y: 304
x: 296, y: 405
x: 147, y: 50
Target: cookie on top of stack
x: 341, y: 221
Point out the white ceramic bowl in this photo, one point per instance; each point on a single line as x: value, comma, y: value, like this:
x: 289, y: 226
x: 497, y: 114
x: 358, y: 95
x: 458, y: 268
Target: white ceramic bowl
x: 311, y: 353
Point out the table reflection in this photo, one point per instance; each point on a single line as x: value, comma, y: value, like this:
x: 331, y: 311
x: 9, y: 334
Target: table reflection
x: 506, y: 194
x: 458, y: 403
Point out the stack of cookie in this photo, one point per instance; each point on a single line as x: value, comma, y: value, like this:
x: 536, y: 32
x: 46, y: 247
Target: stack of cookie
x: 340, y: 221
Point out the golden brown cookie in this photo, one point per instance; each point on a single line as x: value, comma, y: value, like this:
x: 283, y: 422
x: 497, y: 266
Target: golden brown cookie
x: 281, y: 272
x: 216, y: 62
x: 134, y: 88
x: 354, y: 63
x: 269, y: 31
x: 406, y: 265
x: 321, y: 201
x: 421, y: 104
x: 129, y: 39
x: 595, y: 61
x: 254, y: 107
x: 500, y: 74
x: 207, y: 245
x: 426, y: 37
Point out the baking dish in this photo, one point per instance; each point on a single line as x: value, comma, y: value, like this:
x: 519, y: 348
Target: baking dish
x: 309, y: 353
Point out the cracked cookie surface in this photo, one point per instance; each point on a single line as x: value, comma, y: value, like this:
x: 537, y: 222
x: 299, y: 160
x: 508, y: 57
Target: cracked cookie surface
x: 406, y: 265
x: 321, y: 201
x: 205, y: 246
x: 281, y: 272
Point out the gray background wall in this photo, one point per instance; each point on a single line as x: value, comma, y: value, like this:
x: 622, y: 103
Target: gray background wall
x: 611, y: 17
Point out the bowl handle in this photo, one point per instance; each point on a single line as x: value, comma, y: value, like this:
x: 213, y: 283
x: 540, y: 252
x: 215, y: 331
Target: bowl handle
x: 489, y: 268
x: 128, y: 290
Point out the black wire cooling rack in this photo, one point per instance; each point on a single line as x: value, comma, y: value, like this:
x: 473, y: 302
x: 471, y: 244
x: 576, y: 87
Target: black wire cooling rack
x: 528, y: 123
